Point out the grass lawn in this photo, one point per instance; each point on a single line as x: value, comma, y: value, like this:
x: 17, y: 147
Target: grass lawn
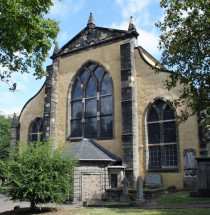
x: 180, y: 197
x: 114, y: 211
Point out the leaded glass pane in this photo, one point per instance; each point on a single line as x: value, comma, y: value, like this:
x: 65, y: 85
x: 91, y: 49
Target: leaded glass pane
x: 91, y: 107
x: 153, y: 115
x: 154, y: 156
x: 35, y: 127
x: 106, y: 126
x: 91, y: 67
x: 113, y: 180
x: 91, y: 127
x: 168, y: 113
x: 34, y: 137
x: 170, y: 155
x: 76, y: 128
x: 41, y: 127
x: 77, y: 91
x: 98, y: 73
x: 154, y: 133
x: 106, y: 87
x: 76, y: 110
x: 106, y: 105
x: 91, y: 88
x: 84, y: 76
x: 169, y: 132
x: 159, y: 104
x: 85, y: 90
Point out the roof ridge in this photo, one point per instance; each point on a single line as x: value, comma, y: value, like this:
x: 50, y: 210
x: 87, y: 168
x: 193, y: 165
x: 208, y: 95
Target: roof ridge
x: 103, y: 149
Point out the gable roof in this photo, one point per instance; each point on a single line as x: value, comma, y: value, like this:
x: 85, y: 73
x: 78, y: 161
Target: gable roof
x: 92, y: 36
x: 88, y: 149
x: 151, y: 61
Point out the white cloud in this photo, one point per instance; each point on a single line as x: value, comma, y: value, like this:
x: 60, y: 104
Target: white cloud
x: 7, y: 98
x: 122, y: 26
x: 63, y: 38
x: 65, y: 7
x: 144, y: 22
x: 149, y: 41
x: 11, y: 111
x: 130, y: 7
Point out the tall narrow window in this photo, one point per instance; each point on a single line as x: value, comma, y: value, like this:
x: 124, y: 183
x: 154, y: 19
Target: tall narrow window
x: 162, y: 141
x: 36, y: 130
x: 91, y: 104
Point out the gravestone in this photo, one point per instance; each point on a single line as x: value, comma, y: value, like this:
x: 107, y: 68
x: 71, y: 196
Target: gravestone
x: 204, y: 176
x: 153, y: 181
x: 140, y: 195
x: 189, y: 162
x: 190, y: 177
x: 125, y: 196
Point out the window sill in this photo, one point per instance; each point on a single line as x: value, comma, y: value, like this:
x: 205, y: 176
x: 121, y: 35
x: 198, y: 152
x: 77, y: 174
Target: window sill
x: 163, y: 169
x: 76, y: 139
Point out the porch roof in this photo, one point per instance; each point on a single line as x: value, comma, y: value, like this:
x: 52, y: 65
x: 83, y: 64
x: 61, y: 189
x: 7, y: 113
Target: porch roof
x: 88, y: 149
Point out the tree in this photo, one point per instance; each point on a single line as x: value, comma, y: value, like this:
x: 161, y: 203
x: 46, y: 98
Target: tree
x: 26, y: 36
x: 5, y: 126
x: 185, y: 45
x: 39, y: 174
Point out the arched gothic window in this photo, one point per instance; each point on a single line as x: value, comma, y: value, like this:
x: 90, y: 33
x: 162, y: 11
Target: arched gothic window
x: 36, y: 130
x: 162, y: 136
x: 91, y: 103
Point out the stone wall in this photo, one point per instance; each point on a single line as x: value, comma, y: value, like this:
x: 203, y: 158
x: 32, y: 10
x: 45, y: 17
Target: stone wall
x: 50, y: 103
x: 109, y: 57
x: 32, y: 109
x: 129, y: 111
x: 90, y: 181
x: 149, y: 87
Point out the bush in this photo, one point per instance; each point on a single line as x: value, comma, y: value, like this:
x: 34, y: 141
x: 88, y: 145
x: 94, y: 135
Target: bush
x: 38, y: 174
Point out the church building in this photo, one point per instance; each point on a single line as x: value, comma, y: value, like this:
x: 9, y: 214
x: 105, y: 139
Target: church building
x: 104, y: 100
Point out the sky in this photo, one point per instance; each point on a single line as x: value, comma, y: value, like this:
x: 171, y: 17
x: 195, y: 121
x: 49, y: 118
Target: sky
x: 73, y: 17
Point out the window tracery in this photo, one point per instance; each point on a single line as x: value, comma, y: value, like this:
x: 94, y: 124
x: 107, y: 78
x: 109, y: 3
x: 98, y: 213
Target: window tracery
x: 162, y: 136
x: 91, y: 103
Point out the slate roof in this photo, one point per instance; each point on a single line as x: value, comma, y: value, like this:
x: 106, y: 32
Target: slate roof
x: 88, y: 149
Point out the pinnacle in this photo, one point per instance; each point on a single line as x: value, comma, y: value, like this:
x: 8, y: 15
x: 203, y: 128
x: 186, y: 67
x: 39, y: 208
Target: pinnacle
x: 131, y: 26
x: 56, y: 49
x: 91, y: 23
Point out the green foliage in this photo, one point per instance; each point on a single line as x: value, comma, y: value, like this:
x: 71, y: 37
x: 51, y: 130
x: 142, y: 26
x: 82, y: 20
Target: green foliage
x: 185, y: 45
x: 5, y: 126
x: 26, y: 36
x: 38, y: 174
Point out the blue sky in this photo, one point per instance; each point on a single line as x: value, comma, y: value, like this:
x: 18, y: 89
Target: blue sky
x: 73, y: 16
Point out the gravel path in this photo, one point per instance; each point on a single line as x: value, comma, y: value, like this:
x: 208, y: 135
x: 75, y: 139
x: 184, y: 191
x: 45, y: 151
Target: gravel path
x: 7, y: 205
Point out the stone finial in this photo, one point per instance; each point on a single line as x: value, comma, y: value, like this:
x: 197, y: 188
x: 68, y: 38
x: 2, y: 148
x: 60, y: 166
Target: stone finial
x: 14, y: 120
x: 91, y: 23
x: 13, y: 132
x: 56, y: 49
x: 131, y: 26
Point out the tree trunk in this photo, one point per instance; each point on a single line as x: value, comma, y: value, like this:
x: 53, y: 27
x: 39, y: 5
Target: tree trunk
x: 33, y: 206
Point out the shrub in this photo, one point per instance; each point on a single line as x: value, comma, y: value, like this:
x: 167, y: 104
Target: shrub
x: 39, y: 174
